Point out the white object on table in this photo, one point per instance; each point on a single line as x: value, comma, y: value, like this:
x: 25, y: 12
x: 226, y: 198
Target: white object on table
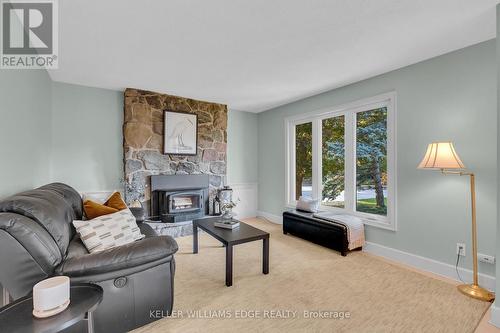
x: 50, y: 296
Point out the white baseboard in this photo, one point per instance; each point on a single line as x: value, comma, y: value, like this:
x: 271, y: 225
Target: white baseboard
x: 495, y: 315
x: 270, y: 217
x: 429, y: 265
x: 413, y: 260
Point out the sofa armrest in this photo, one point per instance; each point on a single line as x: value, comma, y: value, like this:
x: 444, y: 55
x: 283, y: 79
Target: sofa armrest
x: 146, y: 230
x: 122, y: 257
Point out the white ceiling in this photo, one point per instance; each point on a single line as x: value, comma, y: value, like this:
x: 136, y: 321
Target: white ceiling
x: 257, y: 54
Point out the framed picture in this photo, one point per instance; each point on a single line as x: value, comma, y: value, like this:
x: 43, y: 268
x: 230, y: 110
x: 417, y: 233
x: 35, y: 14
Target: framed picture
x: 181, y: 133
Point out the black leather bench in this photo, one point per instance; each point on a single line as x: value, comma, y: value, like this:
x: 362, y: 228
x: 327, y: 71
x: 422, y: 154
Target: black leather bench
x: 330, y: 234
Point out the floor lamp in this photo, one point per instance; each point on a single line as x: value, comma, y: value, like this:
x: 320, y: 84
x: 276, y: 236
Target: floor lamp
x: 442, y: 156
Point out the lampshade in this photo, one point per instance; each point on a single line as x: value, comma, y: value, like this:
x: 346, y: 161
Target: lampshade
x: 441, y: 155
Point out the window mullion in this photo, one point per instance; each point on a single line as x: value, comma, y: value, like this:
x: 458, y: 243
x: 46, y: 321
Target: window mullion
x: 350, y: 161
x: 316, y: 159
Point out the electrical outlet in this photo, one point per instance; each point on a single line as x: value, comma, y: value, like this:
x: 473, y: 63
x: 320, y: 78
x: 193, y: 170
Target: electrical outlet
x: 461, y: 249
x: 486, y: 258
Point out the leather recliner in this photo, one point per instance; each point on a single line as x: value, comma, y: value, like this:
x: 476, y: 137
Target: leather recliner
x: 37, y: 241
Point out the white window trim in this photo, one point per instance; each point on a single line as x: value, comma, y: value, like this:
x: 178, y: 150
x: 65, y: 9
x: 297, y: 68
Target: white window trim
x: 348, y: 110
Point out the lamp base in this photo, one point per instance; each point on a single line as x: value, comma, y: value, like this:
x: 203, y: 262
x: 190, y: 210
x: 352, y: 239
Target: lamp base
x: 475, y: 291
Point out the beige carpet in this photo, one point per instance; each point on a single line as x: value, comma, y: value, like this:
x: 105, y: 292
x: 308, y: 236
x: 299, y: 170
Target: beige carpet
x: 377, y: 295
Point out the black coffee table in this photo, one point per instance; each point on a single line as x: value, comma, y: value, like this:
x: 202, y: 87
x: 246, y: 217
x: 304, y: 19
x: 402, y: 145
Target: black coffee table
x: 229, y: 237
x: 17, y: 316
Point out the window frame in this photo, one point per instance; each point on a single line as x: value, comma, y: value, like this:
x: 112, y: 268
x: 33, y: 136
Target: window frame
x: 349, y: 111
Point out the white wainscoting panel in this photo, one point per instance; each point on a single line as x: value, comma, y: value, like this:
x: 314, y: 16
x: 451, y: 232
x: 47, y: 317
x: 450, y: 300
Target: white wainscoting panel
x: 98, y: 196
x: 247, y: 193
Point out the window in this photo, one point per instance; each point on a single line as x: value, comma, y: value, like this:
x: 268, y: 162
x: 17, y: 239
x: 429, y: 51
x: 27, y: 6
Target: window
x: 333, y: 161
x: 371, y: 161
x: 303, y: 161
x: 345, y: 156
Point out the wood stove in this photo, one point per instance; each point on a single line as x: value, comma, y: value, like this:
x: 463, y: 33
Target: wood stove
x: 184, y: 201
x: 177, y: 198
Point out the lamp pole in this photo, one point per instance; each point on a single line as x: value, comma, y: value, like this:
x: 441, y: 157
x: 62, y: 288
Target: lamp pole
x: 474, y: 227
x: 442, y: 156
x: 473, y: 290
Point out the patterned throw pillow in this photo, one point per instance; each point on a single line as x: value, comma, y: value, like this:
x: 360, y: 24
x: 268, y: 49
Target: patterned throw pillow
x: 108, y: 231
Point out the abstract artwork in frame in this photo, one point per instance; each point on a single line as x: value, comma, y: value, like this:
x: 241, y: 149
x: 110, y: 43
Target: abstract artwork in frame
x: 181, y: 133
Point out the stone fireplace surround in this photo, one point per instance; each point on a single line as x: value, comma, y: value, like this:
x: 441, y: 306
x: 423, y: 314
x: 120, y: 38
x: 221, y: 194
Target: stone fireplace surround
x: 143, y: 142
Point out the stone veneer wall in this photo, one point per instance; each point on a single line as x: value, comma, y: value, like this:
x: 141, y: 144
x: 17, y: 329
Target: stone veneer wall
x: 143, y: 142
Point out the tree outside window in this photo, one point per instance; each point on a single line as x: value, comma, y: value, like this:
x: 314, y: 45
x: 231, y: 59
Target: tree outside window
x: 371, y: 161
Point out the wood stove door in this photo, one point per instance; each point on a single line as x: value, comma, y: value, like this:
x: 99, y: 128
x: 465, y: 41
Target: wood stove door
x: 182, y: 202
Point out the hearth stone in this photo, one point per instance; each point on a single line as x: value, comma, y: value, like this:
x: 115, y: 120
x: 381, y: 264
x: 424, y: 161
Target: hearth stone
x: 177, y: 229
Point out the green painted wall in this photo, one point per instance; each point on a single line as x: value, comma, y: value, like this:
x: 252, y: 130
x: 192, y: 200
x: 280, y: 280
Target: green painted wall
x: 25, y: 130
x: 87, y: 137
x: 451, y: 97
x: 242, y: 154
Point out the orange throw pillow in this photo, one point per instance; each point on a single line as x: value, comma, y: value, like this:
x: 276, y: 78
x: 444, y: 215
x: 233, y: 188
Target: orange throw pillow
x: 114, y: 204
x: 93, y: 209
x: 115, y: 201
